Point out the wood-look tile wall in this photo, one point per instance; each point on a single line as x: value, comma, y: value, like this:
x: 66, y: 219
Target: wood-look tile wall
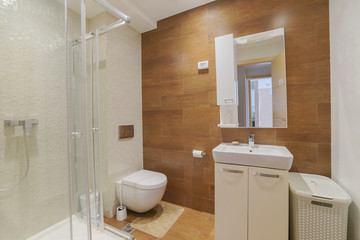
x: 179, y: 103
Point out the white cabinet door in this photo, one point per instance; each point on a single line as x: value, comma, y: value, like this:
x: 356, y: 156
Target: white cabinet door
x: 226, y: 72
x: 231, y: 200
x: 268, y: 204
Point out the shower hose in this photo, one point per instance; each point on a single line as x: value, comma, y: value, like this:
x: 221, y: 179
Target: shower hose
x: 27, y: 165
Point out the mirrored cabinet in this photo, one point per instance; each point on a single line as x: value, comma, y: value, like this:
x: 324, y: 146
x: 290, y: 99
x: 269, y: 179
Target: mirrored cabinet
x: 251, y: 80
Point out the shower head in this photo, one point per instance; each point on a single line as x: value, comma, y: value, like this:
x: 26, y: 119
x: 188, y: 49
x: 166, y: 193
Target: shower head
x: 113, y: 10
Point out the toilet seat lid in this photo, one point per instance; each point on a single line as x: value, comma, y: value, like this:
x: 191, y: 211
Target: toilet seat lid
x: 145, y: 179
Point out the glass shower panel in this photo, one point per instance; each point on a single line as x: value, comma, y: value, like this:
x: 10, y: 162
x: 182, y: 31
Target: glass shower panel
x: 84, y: 103
x: 33, y: 121
x: 95, y: 169
x: 90, y: 145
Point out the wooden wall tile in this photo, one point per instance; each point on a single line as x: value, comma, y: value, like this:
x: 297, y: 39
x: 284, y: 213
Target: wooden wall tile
x: 195, y: 23
x: 152, y: 116
x: 324, y: 153
x: 180, y: 112
x: 152, y: 129
x: 209, y: 176
x: 164, y: 142
x: 174, y: 197
x: 304, y: 152
x: 204, y: 144
x: 185, y: 101
x: 302, y: 113
x: 151, y: 102
x: 301, y: 74
x: 177, y: 157
x: 152, y: 154
x: 245, y: 10
x: 164, y: 34
x: 150, y: 50
x: 194, y: 85
x: 309, y: 93
x: 212, y: 99
x: 174, y: 72
x: 323, y: 71
x: 177, y: 185
x: 163, y: 89
x: 324, y: 112
x: 307, y: 132
x: 202, y: 115
x: 172, y: 170
x: 185, y: 130
x: 158, y: 116
x: 151, y: 76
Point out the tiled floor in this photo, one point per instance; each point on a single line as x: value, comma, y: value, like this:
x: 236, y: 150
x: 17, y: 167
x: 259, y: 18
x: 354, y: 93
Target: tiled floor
x: 191, y: 225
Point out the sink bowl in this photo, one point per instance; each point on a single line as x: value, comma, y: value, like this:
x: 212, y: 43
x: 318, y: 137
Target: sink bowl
x: 267, y: 156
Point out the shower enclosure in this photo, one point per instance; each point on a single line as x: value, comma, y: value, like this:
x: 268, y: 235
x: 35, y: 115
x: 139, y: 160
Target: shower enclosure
x: 50, y: 171
x: 85, y: 124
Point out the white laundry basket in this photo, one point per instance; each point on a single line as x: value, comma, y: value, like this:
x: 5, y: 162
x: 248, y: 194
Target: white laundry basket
x: 318, y: 208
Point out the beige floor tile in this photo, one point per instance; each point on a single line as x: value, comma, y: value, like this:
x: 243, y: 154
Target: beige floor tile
x: 168, y: 237
x: 183, y: 232
x: 191, y: 225
x: 139, y: 235
x: 206, y: 236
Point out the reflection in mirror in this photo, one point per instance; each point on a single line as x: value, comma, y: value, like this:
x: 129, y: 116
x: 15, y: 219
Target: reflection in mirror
x: 261, y: 76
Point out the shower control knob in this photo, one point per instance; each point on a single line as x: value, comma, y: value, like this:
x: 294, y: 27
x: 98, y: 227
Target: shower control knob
x: 77, y: 135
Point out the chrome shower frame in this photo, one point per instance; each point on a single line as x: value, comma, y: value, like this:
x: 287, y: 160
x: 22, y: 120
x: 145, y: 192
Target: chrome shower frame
x: 113, y: 10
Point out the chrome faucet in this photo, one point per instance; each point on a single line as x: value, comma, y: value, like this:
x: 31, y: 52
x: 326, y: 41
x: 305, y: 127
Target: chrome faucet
x: 251, y: 141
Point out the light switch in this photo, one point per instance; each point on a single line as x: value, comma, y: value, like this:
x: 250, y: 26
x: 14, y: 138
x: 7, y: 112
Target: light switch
x: 203, y: 65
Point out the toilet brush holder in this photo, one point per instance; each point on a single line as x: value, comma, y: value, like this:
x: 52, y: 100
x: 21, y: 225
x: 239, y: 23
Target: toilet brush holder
x: 121, y: 213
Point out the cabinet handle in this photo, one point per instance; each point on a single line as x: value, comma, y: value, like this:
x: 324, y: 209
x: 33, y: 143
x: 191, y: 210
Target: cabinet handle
x: 231, y: 170
x: 259, y: 174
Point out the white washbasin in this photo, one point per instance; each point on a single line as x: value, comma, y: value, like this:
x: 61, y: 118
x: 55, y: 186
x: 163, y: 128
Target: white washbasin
x: 267, y: 156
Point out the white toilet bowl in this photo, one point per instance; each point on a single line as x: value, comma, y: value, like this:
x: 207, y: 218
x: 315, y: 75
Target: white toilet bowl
x: 142, y: 190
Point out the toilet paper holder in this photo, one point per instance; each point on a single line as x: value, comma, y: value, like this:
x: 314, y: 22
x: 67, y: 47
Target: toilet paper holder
x: 198, y: 153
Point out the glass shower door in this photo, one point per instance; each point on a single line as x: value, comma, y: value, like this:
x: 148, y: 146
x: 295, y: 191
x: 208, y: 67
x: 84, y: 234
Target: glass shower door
x: 85, y: 135
x: 84, y: 103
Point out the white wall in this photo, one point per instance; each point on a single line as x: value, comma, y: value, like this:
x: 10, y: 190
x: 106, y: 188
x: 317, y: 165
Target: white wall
x: 345, y: 110
x: 33, y: 85
x: 120, y: 103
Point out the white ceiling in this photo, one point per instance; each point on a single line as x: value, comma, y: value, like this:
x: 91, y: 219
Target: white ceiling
x: 144, y: 13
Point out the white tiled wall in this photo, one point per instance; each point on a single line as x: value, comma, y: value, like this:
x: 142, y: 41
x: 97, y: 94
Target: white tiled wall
x: 33, y: 85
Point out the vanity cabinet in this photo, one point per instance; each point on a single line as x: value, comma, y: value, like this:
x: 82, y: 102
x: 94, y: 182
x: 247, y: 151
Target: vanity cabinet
x: 251, y: 203
x: 231, y: 201
x: 268, y: 204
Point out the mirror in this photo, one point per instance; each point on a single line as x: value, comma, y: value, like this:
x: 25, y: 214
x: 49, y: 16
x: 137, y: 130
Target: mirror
x: 260, y: 61
x: 256, y: 97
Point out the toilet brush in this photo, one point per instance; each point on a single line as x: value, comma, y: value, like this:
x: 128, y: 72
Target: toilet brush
x: 121, y: 197
x: 121, y: 213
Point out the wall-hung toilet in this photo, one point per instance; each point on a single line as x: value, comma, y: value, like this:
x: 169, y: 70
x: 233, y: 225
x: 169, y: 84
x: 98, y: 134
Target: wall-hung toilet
x: 142, y: 190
